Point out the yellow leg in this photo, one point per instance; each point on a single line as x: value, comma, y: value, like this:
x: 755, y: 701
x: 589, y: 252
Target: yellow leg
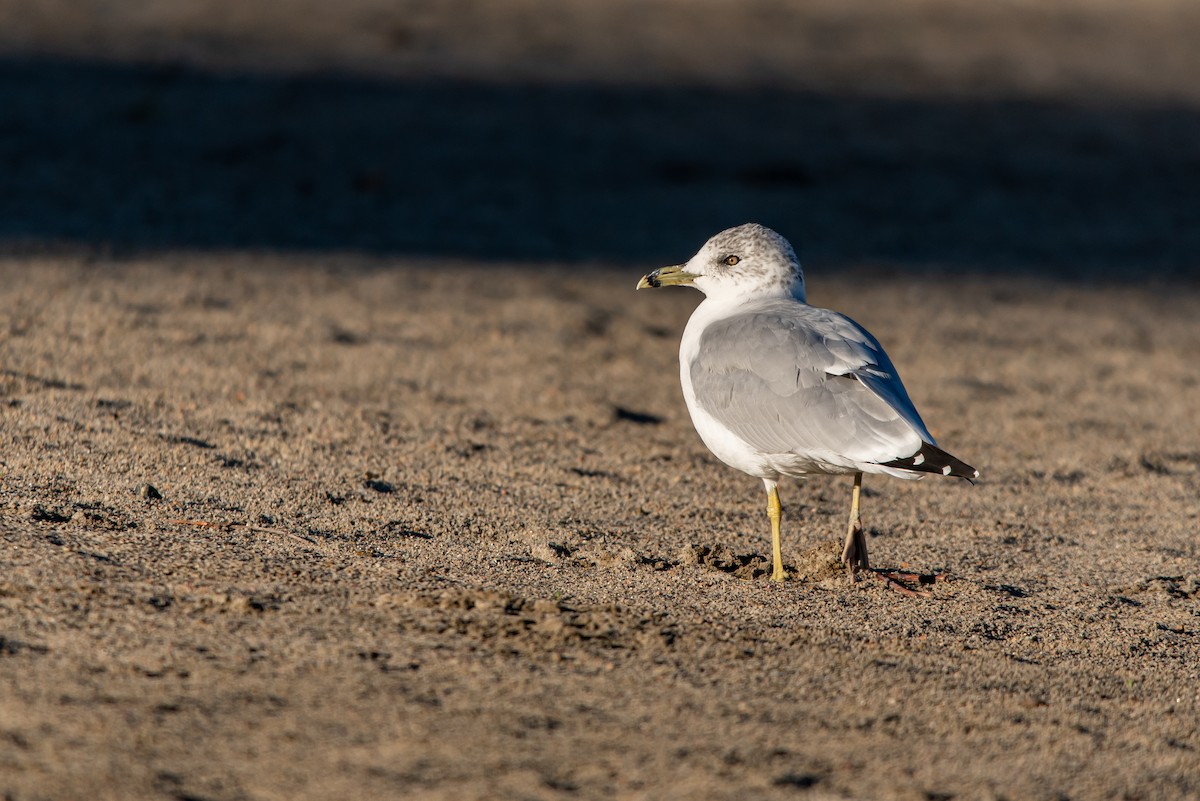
x: 854, y: 552
x: 775, y: 512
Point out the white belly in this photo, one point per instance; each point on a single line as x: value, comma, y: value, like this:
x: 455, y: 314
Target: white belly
x: 725, y: 445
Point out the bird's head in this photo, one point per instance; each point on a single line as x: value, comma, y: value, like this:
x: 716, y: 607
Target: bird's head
x: 749, y: 259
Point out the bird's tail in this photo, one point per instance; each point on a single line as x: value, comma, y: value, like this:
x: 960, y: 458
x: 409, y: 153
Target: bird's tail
x: 932, y: 459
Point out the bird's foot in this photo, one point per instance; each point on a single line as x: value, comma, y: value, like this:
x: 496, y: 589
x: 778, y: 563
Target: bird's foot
x: 854, y: 552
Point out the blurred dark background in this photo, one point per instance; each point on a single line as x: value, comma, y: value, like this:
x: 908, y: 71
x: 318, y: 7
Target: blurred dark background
x: 930, y: 135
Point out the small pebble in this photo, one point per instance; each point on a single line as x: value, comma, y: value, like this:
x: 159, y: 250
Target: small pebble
x: 150, y: 492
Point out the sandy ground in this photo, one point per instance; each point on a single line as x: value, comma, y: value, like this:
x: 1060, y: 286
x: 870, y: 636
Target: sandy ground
x: 339, y: 459
x: 438, y: 531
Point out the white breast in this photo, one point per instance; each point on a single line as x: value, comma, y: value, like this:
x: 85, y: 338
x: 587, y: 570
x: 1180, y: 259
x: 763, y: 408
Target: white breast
x: 725, y: 445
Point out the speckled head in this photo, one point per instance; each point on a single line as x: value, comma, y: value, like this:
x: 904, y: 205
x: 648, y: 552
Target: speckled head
x: 749, y: 259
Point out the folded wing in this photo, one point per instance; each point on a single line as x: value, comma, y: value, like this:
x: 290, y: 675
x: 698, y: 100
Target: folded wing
x: 794, y: 379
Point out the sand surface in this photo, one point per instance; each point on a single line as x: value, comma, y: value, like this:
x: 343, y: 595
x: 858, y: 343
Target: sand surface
x: 313, y: 488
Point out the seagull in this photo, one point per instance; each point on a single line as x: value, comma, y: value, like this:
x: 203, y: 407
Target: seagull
x: 776, y: 387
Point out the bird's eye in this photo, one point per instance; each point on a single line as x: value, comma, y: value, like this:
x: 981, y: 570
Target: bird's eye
x: 731, y: 260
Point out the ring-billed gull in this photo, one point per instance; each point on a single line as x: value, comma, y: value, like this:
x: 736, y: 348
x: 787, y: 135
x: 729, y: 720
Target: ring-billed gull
x: 776, y: 387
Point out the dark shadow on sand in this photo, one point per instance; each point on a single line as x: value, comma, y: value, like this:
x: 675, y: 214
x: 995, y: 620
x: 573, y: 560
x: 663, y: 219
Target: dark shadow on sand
x: 135, y: 158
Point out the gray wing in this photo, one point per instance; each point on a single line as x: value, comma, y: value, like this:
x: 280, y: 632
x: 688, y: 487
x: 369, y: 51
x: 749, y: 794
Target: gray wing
x: 790, y: 378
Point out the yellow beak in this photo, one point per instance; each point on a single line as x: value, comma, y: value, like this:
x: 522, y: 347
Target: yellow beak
x: 667, y: 276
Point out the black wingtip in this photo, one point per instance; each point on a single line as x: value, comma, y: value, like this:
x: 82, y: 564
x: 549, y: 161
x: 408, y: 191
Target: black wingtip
x: 932, y: 459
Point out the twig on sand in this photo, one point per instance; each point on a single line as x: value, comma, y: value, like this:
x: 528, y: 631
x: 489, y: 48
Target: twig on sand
x: 253, y: 529
x: 894, y: 579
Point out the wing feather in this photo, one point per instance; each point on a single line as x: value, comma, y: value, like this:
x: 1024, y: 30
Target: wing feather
x: 795, y: 379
